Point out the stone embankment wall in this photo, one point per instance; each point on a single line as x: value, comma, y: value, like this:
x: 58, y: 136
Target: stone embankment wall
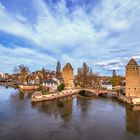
x: 129, y: 100
x: 39, y: 97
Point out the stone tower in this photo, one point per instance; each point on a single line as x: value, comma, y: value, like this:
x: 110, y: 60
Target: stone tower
x: 132, y: 79
x: 68, y: 76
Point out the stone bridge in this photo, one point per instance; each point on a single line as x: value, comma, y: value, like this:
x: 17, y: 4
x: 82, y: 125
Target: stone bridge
x: 98, y: 92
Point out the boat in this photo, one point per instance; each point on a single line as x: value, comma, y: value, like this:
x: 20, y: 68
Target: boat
x: 29, y: 87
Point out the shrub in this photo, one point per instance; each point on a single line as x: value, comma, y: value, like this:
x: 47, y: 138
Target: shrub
x: 61, y: 87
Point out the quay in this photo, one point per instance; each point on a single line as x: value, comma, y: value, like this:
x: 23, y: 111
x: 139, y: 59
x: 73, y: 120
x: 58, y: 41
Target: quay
x: 37, y: 97
x: 129, y: 100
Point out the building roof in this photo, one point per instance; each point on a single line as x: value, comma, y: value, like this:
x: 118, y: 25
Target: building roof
x: 68, y: 66
x: 132, y: 62
x: 50, y: 81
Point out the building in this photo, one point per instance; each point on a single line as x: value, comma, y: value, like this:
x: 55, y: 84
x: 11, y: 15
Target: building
x: 50, y: 85
x: 133, y: 79
x: 68, y: 76
x: 106, y: 85
x: 35, y: 78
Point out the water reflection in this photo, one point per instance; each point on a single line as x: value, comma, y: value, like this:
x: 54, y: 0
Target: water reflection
x: 60, y: 108
x: 133, y: 120
x: 84, y: 104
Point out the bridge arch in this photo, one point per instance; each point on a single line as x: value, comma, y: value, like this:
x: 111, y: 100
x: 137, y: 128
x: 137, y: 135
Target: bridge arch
x: 86, y: 92
x: 1, y: 75
x: 92, y: 92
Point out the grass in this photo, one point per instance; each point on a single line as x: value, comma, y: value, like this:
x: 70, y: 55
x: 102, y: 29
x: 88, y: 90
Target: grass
x: 45, y: 92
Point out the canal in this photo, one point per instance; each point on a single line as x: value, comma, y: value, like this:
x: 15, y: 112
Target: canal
x: 77, y: 118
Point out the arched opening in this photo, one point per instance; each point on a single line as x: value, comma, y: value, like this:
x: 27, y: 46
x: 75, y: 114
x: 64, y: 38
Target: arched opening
x: 1, y: 75
x: 86, y: 93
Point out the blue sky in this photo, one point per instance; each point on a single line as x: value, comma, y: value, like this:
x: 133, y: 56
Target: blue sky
x: 37, y: 33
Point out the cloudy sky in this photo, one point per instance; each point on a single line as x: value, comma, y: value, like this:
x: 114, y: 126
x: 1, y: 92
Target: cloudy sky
x: 37, y: 33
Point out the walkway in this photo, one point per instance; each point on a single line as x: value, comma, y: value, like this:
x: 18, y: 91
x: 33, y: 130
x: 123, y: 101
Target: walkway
x: 39, y: 97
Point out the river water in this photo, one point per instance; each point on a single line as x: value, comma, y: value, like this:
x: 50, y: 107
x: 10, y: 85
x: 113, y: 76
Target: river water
x: 77, y: 118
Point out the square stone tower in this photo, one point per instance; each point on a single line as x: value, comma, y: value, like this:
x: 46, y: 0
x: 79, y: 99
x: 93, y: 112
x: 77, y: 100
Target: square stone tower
x: 68, y: 76
x: 132, y: 79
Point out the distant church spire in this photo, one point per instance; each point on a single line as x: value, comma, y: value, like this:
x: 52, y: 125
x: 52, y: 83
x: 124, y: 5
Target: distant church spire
x: 114, y: 73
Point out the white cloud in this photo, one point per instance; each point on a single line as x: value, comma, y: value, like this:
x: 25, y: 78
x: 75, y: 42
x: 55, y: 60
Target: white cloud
x: 10, y: 57
x: 77, y: 35
x: 114, y: 64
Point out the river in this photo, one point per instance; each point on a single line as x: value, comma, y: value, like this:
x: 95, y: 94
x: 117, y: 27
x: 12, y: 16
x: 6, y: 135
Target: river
x: 77, y: 118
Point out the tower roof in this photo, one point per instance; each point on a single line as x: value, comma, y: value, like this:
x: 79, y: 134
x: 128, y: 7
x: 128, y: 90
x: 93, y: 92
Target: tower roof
x: 132, y: 63
x: 68, y: 66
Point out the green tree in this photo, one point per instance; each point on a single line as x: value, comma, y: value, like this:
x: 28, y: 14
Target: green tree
x: 61, y: 87
x: 116, y: 80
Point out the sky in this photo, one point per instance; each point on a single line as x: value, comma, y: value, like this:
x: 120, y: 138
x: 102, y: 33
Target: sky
x: 37, y: 33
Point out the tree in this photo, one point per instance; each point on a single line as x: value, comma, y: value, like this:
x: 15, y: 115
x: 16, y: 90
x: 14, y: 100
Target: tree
x: 116, y: 80
x: 61, y: 87
x: 85, y: 75
x: 43, y: 72
x: 91, y: 77
x: 23, y: 72
x: 58, y: 70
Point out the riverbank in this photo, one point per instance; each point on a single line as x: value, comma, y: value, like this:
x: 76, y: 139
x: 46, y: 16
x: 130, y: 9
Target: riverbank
x: 38, y: 97
x: 129, y: 100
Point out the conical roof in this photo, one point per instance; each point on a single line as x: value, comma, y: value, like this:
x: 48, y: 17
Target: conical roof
x: 68, y: 66
x: 132, y: 63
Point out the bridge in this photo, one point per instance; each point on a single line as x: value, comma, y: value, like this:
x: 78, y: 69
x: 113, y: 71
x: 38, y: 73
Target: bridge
x: 7, y: 82
x: 98, y: 92
x: 1, y: 75
x: 37, y: 96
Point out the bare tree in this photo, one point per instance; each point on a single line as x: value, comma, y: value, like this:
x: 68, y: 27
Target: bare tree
x: 85, y: 74
x: 86, y: 77
x: 23, y: 72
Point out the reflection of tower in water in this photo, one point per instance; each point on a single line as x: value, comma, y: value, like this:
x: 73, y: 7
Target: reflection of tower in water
x: 59, y: 107
x: 66, y: 109
x: 133, y: 121
x: 84, y: 104
x: 25, y: 95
